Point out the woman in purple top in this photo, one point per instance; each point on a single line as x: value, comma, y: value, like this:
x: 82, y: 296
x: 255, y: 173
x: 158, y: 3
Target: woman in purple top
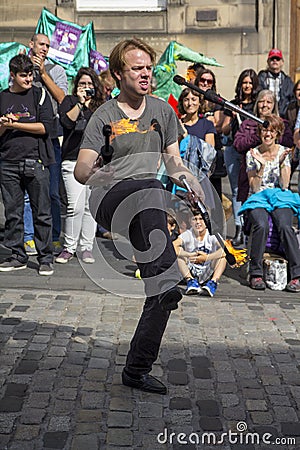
x: 247, y: 136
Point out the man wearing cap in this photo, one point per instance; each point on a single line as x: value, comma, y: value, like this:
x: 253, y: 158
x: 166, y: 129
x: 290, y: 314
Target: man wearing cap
x: 274, y: 79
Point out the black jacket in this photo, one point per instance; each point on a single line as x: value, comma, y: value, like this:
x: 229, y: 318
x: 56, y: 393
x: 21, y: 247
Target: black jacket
x: 286, y: 93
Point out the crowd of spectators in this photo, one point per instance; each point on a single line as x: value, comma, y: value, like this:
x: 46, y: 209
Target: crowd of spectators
x: 34, y: 162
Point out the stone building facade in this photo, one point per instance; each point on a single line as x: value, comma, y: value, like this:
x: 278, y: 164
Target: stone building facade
x: 238, y: 33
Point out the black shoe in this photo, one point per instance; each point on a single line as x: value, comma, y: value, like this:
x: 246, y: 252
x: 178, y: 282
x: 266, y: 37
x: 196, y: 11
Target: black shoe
x: 239, y: 237
x: 145, y: 383
x: 169, y: 300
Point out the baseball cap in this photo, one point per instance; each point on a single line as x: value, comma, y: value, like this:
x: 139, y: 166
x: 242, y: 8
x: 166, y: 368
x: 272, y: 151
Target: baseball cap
x: 275, y: 52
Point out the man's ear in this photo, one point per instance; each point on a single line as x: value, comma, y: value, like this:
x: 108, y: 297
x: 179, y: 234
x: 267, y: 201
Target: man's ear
x: 12, y: 75
x: 31, y: 44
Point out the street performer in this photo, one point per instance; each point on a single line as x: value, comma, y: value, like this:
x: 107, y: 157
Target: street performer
x: 144, y: 129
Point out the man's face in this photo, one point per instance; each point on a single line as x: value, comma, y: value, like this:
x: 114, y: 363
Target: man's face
x: 22, y: 81
x: 40, y: 46
x: 275, y: 64
x: 136, y: 75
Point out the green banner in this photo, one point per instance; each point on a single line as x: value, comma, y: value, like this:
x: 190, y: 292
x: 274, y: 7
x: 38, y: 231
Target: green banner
x: 166, y: 68
x: 7, y: 51
x: 52, y: 26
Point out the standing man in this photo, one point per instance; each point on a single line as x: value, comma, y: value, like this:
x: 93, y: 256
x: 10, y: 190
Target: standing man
x: 54, y: 79
x: 25, y: 154
x: 144, y: 128
x: 274, y: 79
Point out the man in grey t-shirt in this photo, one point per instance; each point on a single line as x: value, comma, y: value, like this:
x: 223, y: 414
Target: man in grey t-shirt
x: 143, y: 129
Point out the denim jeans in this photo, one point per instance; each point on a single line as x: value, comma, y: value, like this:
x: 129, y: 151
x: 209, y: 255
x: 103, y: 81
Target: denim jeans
x: 28, y: 222
x: 233, y: 163
x: 13, y: 185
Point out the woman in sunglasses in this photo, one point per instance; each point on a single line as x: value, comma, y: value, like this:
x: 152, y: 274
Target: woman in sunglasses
x: 205, y: 80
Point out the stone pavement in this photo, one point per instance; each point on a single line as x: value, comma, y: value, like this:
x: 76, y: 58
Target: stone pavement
x: 231, y: 364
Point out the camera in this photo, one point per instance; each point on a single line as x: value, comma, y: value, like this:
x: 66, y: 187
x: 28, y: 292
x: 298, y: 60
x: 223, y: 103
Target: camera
x: 90, y: 92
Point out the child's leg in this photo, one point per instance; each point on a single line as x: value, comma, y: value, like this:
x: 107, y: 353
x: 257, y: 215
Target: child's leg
x: 183, y: 268
x: 219, y: 269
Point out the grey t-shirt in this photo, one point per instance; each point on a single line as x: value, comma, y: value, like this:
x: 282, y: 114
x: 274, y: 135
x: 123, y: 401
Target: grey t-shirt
x: 137, y: 144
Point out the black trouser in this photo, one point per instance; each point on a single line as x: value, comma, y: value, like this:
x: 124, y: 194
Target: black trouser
x: 140, y: 207
x: 13, y: 185
x: 283, y: 219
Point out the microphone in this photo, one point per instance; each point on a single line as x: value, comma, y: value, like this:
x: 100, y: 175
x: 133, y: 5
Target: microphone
x: 212, y: 96
x: 107, y: 150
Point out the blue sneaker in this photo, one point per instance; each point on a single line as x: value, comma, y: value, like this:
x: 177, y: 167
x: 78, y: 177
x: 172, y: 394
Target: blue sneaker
x: 209, y: 288
x: 193, y: 287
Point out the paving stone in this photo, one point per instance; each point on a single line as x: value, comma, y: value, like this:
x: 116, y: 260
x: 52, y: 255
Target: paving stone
x: 209, y: 408
x: 201, y: 372
x: 177, y: 365
x: 120, y: 437
x: 290, y: 429
x: 59, y: 423
x: 66, y: 394
x: 200, y: 362
x: 16, y: 389
x: 178, y: 378
x: 285, y: 414
x: 150, y: 409
x: 261, y: 418
x: 119, y: 419
x: 26, y: 367
x: 98, y: 363
x: 210, y: 424
x: 11, y: 404
x: 38, y: 400
x: 91, y: 400
x: 55, y: 439
x: 180, y: 403
x: 32, y: 415
x: 256, y: 405
x: 87, y: 428
x: 121, y: 404
x: 26, y: 432
x: 7, y: 424
x: 87, y: 415
x: 85, y: 442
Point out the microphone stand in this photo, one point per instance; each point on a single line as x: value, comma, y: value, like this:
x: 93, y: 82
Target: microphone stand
x: 212, y: 96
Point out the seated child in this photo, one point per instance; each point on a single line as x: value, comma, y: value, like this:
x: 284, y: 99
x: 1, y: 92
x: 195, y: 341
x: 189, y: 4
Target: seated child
x: 200, y: 258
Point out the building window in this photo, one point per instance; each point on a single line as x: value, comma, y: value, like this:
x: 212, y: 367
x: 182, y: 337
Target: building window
x: 121, y: 5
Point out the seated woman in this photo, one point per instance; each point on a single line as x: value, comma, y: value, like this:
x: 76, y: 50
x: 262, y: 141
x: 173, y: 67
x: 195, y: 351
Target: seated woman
x: 269, y: 169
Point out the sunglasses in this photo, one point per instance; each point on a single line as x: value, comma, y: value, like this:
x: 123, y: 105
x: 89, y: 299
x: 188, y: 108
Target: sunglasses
x: 275, y: 58
x: 205, y: 80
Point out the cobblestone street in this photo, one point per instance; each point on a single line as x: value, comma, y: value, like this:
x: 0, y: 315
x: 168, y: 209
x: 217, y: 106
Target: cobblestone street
x: 230, y: 363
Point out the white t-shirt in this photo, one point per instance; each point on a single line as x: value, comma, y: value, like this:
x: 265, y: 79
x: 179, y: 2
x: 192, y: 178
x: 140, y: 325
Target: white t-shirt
x: 208, y: 245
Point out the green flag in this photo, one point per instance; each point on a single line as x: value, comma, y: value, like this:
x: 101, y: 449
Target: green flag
x: 70, y: 44
x: 166, y: 68
x: 7, y: 51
